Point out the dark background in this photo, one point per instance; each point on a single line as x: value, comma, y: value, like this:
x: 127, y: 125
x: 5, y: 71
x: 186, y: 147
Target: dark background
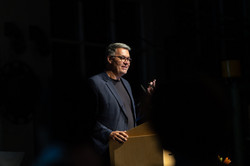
x: 50, y: 47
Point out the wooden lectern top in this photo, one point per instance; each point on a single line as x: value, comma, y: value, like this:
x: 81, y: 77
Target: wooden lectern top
x: 141, y: 149
x: 144, y: 129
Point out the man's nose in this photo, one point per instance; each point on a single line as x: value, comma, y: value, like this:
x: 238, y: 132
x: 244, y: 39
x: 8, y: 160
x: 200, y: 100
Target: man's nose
x: 126, y: 62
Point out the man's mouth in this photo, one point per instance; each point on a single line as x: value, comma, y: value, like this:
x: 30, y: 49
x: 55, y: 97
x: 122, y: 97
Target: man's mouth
x: 124, y: 67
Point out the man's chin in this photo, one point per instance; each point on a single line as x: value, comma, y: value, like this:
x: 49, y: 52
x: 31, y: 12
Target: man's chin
x: 124, y: 72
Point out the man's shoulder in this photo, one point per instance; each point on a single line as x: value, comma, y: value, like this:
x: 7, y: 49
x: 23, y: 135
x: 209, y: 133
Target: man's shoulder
x: 98, y: 77
x: 94, y: 77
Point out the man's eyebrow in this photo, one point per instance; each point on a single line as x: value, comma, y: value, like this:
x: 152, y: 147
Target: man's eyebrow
x: 122, y: 55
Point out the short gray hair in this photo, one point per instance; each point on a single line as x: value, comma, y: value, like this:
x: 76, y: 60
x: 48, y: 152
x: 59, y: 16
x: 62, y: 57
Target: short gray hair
x: 113, y: 46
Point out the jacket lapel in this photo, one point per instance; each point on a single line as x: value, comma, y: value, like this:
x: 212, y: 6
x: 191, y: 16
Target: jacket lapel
x: 131, y: 97
x: 113, y: 90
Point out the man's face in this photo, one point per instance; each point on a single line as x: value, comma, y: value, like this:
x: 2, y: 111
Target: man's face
x: 120, y: 61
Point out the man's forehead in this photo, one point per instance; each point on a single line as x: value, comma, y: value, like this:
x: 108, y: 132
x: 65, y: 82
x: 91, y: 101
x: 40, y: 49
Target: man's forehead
x: 124, y: 50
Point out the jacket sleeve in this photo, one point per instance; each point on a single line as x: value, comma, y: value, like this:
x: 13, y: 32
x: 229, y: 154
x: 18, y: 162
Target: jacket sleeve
x: 100, y: 132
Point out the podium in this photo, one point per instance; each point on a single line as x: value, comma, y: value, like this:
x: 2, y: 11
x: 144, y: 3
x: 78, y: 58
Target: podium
x: 141, y: 149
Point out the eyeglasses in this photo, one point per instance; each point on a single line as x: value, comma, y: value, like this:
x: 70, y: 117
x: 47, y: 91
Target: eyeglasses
x: 123, y: 58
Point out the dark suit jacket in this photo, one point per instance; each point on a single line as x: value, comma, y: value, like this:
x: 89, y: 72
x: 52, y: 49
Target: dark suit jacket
x: 110, y: 111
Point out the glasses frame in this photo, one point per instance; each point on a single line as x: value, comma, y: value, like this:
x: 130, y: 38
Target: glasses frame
x: 123, y: 58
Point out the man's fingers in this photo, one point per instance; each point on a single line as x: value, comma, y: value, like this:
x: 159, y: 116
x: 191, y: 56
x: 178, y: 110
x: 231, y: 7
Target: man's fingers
x: 154, y: 82
x: 120, y: 136
x: 124, y: 134
x: 119, y: 139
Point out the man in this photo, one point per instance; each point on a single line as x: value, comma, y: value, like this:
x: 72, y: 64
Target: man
x: 113, y: 99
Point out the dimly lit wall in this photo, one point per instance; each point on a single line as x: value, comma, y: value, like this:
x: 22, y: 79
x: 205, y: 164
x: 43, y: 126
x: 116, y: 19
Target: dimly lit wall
x: 25, y: 62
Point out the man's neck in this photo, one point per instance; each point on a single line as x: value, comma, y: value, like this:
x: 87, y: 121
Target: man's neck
x: 112, y: 75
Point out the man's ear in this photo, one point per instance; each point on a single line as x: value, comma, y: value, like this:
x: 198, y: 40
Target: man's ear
x: 109, y: 59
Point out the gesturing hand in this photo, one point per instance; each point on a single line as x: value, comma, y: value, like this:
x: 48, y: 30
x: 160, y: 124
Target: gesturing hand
x: 119, y: 136
x: 151, y: 87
